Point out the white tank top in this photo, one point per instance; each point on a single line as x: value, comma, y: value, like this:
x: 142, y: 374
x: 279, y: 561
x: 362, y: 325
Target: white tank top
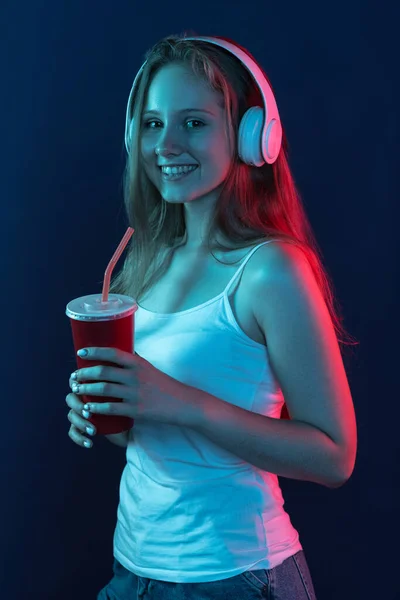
x: 189, y: 510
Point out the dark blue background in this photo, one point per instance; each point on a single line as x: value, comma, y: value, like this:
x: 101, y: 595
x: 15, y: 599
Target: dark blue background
x: 66, y: 74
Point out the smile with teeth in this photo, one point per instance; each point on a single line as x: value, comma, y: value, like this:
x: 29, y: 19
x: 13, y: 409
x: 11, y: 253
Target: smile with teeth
x: 177, y: 172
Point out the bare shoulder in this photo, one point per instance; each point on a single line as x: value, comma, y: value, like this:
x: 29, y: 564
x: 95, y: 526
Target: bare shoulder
x: 282, y: 280
x: 284, y: 287
x: 277, y: 259
x: 302, y: 345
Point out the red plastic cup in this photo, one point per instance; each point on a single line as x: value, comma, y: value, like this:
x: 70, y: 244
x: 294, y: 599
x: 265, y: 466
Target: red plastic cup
x: 103, y: 325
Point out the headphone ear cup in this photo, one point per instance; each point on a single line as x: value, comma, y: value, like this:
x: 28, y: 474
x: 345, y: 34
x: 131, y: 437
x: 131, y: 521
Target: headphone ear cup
x: 250, y: 131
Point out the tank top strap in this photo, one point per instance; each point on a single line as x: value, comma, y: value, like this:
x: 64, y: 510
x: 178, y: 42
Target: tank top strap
x: 242, y: 266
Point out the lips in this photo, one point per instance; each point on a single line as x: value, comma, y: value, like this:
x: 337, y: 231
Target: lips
x: 176, y: 165
x: 171, y: 177
x: 192, y: 167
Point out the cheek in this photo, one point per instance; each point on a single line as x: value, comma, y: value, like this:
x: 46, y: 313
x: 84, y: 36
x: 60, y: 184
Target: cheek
x: 148, y: 159
x: 220, y: 157
x: 146, y: 150
x: 219, y: 148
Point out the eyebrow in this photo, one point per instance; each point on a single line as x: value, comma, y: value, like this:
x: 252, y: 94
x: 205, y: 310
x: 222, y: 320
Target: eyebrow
x: 184, y: 110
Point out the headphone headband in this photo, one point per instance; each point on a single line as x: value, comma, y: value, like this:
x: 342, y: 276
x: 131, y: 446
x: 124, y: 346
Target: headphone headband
x: 271, y: 134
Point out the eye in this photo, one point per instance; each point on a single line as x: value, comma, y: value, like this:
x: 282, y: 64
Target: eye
x: 195, y: 124
x: 147, y: 124
x: 199, y: 123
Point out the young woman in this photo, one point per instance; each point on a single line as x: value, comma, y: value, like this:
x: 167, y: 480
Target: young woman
x: 236, y: 321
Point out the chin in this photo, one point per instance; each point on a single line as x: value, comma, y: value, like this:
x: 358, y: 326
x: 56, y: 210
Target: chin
x: 181, y: 197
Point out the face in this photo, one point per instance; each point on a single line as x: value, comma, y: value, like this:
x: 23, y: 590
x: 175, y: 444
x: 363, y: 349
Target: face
x: 183, y: 124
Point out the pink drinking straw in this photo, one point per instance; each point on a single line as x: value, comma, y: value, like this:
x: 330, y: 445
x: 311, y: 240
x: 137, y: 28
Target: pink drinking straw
x: 111, y: 264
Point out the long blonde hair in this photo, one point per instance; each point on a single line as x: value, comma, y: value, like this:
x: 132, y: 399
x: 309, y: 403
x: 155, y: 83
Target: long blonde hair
x: 255, y: 204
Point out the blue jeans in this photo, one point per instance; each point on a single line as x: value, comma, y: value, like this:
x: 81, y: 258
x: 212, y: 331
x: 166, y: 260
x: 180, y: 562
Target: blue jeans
x: 290, y: 580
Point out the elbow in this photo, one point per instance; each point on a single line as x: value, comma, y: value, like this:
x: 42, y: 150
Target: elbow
x: 343, y: 470
x: 336, y: 483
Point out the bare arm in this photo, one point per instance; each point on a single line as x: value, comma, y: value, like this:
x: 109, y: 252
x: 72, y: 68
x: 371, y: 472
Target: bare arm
x: 292, y: 449
x: 319, y: 443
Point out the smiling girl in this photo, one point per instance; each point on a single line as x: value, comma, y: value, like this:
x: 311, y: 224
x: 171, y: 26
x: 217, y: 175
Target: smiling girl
x: 236, y: 321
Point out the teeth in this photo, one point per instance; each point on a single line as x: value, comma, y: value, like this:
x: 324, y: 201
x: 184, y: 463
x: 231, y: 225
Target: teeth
x: 177, y: 170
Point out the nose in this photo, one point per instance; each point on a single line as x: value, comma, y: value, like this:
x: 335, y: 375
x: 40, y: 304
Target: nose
x: 169, y: 142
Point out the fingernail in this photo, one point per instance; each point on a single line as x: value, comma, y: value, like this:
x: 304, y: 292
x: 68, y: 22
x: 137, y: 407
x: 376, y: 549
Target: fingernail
x: 90, y: 430
x: 86, y: 414
x: 87, y: 443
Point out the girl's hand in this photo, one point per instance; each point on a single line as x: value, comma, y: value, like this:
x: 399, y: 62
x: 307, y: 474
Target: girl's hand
x: 147, y: 393
x: 79, y: 425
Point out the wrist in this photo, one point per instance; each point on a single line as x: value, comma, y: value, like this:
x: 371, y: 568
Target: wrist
x: 190, y: 407
x: 205, y: 407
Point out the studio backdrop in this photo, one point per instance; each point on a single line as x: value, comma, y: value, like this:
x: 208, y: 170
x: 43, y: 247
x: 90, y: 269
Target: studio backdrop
x: 67, y: 69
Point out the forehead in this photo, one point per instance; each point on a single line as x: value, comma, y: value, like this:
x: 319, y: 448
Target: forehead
x: 176, y: 87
